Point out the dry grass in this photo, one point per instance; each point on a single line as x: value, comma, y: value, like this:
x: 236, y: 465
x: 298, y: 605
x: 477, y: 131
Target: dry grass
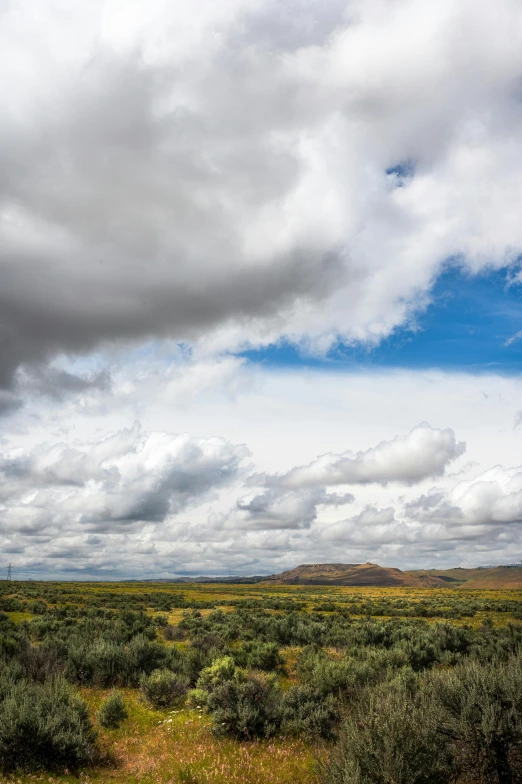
x: 171, y: 747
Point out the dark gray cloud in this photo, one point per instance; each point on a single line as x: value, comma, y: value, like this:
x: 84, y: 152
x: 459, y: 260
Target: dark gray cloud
x: 9, y: 402
x: 47, y: 381
x: 57, y: 384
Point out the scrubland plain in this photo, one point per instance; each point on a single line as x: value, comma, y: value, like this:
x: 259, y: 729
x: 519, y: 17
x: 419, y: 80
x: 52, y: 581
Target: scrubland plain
x: 254, y: 684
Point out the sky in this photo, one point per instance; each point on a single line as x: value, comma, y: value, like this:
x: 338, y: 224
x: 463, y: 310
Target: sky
x: 260, y: 285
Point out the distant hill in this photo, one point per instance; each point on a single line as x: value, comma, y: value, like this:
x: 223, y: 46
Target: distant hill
x: 371, y: 574
x: 481, y: 577
x: 352, y: 574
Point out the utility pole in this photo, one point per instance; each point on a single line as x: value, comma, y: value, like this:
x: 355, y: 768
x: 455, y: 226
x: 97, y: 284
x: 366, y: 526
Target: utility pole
x: 9, y: 573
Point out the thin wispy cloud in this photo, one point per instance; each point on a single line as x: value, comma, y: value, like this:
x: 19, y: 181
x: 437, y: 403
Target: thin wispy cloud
x: 514, y: 338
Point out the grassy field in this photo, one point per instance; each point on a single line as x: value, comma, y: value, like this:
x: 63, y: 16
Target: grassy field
x: 163, y: 747
x: 179, y: 744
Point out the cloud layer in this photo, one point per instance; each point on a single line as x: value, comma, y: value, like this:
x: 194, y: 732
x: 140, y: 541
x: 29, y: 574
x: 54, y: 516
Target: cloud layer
x: 237, y: 172
x: 82, y: 494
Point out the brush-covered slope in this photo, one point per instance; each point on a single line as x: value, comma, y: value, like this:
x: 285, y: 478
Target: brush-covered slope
x: 482, y: 577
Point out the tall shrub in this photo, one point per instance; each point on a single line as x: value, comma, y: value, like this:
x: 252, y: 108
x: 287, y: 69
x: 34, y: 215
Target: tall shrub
x: 389, y: 739
x: 44, y: 726
x: 479, y: 710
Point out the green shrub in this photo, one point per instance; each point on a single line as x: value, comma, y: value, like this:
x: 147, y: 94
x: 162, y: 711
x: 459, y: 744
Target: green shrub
x: 102, y: 662
x: 462, y: 724
x: 258, y: 655
x: 42, y: 662
x: 245, y: 708
x: 209, y: 643
x: 44, y: 726
x: 10, y: 674
x: 11, y: 604
x: 144, y: 657
x: 173, y: 633
x: 221, y: 670
x: 389, y: 739
x: 305, y: 712
x: 197, y: 698
x: 479, y: 710
x: 37, y: 607
x: 175, y: 660
x: 163, y: 688
x: 194, y: 661
x: 112, y: 711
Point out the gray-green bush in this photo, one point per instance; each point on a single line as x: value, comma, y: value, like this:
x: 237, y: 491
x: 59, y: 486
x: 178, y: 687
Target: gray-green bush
x: 163, y: 688
x: 389, y: 738
x: 112, y: 711
x: 478, y: 710
x: 462, y: 724
x: 245, y: 707
x: 44, y: 726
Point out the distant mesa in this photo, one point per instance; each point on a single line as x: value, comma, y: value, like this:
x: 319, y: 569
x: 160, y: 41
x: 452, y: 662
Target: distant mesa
x: 351, y: 574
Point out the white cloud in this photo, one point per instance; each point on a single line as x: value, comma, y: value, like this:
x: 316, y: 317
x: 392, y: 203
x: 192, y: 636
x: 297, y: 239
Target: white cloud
x: 280, y: 509
x: 492, y: 498
x: 372, y: 526
x: 124, y: 478
x: 423, y: 453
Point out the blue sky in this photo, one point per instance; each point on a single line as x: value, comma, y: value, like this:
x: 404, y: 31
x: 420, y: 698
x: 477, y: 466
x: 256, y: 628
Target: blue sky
x: 471, y: 324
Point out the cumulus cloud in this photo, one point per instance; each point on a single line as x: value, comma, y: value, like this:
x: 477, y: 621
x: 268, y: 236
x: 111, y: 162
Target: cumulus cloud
x: 424, y: 452
x: 371, y: 526
x: 239, y: 171
x: 493, y: 498
x: 127, y: 477
x: 280, y: 509
x: 69, y: 500
x: 435, y: 505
